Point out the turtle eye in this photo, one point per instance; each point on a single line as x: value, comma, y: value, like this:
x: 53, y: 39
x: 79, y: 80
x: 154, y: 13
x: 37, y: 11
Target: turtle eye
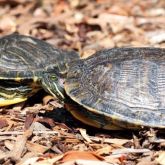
x: 54, y: 78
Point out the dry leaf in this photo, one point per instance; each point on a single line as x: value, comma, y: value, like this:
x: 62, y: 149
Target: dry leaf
x: 105, y: 150
x: 47, y: 99
x: 42, y: 161
x: 36, y: 148
x: 29, y: 120
x: 117, y: 142
x: 75, y: 155
x: 86, y: 162
x: 155, y: 37
x: 161, y: 158
x: 129, y: 150
x: 3, y: 123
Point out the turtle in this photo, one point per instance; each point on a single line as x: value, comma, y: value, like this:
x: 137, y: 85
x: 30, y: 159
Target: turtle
x: 117, y: 88
x: 24, y: 60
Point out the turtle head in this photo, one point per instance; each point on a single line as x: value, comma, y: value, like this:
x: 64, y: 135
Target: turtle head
x: 54, y: 85
x: 53, y: 79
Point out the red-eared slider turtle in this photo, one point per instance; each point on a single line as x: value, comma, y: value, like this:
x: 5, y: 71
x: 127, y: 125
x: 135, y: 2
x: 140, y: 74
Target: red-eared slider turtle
x: 119, y: 88
x: 23, y: 62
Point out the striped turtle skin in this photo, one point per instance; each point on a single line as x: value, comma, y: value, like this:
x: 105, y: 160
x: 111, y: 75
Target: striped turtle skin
x: 23, y: 62
x: 119, y: 88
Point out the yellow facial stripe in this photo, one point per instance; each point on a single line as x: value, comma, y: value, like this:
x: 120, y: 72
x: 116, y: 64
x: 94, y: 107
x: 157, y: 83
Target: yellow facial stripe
x: 18, y: 79
x: 35, y: 79
x: 8, y: 96
x: 62, y: 96
x: 12, y: 101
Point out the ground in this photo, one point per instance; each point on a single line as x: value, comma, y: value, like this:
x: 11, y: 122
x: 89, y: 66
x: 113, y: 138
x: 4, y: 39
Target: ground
x: 40, y: 131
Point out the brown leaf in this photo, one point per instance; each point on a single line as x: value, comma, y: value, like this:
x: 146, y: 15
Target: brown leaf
x: 8, y: 23
x: 116, y: 141
x: 36, y: 148
x: 29, y: 120
x: 46, y: 120
x: 47, y: 99
x: 86, y: 162
x: 3, y: 123
x: 36, y: 126
x: 107, y: 42
x: 105, y: 150
x: 9, y: 144
x: 19, y: 145
x: 129, y: 150
x: 75, y: 155
x: 161, y: 158
x: 147, y: 159
x: 115, y: 159
x: 155, y: 37
x: 88, y: 53
x: 117, y: 22
x: 42, y: 160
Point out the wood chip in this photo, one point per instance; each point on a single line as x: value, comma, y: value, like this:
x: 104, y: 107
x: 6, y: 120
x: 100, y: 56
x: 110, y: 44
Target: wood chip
x: 84, y: 135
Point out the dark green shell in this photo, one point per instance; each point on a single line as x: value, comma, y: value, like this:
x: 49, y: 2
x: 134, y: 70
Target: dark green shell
x: 121, y: 86
x: 23, y: 57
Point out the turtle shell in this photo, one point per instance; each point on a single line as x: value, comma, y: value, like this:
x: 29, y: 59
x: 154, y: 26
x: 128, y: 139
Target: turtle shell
x: 23, y: 57
x: 123, y: 87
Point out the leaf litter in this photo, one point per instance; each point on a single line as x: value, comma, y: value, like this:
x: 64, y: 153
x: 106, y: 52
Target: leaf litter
x: 41, y: 131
